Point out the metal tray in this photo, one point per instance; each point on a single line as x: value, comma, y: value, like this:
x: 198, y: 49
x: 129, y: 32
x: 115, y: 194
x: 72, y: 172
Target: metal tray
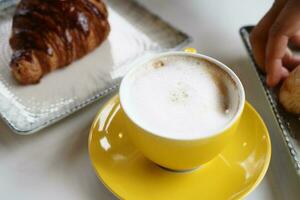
x: 289, y: 123
x: 136, y: 33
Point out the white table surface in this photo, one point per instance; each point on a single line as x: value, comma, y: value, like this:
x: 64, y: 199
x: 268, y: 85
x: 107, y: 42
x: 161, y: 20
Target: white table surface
x: 54, y: 163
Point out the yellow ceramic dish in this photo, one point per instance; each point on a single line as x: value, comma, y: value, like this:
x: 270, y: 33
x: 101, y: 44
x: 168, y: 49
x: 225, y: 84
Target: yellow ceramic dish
x: 129, y: 175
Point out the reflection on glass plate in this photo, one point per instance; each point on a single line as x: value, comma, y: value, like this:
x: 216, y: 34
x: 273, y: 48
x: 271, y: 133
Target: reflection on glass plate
x: 136, y: 33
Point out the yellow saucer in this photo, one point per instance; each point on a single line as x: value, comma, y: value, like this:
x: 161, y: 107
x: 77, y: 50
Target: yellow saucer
x: 124, y: 170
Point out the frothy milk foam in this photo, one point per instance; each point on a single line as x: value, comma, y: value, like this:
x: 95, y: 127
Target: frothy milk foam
x: 181, y: 97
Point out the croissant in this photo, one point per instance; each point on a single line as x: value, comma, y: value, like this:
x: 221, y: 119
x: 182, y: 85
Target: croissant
x: 50, y: 34
x: 289, y: 95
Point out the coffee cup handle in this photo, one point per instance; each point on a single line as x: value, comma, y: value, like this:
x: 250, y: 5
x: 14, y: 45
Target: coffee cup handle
x: 190, y: 50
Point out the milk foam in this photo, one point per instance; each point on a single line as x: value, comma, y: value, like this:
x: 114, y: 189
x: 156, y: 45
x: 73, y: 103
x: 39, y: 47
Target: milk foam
x: 182, y: 97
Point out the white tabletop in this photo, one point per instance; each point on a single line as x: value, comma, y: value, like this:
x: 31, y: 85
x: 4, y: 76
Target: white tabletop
x: 54, y: 162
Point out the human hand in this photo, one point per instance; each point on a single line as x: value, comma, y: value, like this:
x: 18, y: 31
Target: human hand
x: 270, y: 38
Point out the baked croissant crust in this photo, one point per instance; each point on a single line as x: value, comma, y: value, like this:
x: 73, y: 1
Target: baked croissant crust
x: 50, y: 34
x: 289, y: 95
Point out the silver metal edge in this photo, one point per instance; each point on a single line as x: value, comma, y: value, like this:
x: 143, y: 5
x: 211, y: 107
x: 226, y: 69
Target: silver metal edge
x: 285, y: 131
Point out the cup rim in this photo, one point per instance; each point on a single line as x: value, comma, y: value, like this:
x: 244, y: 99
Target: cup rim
x: 214, y: 133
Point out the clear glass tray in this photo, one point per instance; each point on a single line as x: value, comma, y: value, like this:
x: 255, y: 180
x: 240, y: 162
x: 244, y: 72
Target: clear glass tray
x: 289, y: 123
x: 135, y: 33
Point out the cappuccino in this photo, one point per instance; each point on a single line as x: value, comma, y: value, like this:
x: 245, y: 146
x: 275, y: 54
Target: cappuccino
x: 181, y: 97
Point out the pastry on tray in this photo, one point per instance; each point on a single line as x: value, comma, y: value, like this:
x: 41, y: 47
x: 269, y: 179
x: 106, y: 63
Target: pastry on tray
x: 289, y: 94
x: 50, y: 34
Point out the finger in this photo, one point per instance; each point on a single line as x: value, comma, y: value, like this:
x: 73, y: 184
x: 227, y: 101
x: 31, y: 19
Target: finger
x: 276, y: 48
x: 259, y: 35
x: 258, y: 44
x: 295, y: 40
x: 290, y: 61
x: 284, y: 73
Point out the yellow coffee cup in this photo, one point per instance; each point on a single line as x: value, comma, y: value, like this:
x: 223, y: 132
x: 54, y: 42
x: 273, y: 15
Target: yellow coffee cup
x: 179, y: 154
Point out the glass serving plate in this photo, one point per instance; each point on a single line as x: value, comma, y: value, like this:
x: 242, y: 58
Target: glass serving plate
x: 289, y: 123
x: 135, y: 33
